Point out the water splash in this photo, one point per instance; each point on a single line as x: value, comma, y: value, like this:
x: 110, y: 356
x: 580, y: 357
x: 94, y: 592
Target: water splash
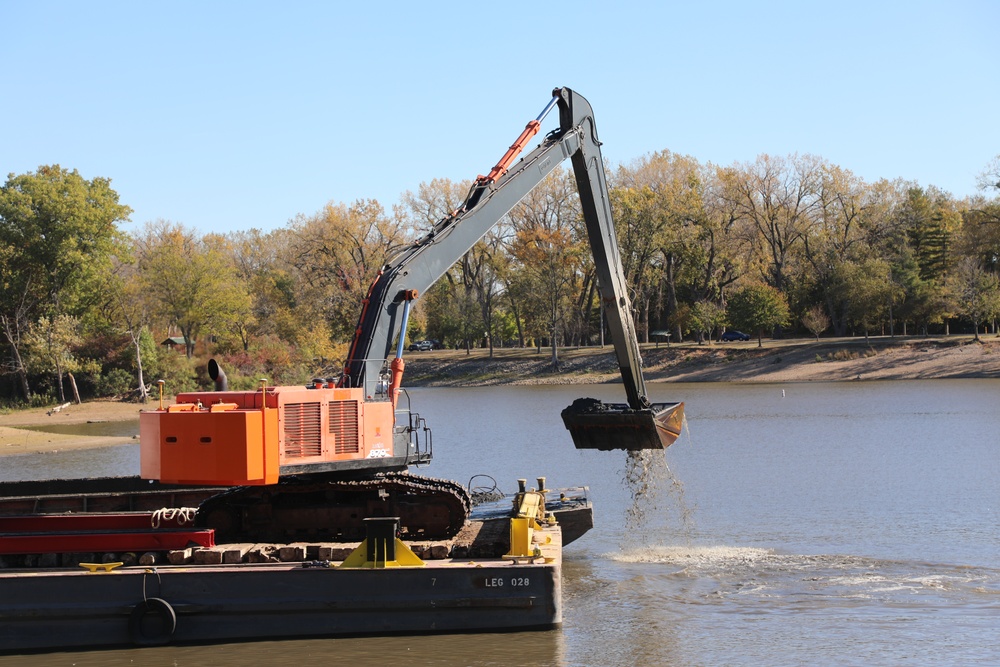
x: 816, y: 581
x: 717, y: 557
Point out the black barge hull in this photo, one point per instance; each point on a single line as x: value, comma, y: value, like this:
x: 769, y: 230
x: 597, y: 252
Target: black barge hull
x: 60, y: 609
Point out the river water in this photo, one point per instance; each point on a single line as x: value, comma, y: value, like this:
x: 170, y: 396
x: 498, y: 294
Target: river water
x: 792, y: 524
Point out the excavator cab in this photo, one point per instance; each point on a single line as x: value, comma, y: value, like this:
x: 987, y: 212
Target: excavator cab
x: 608, y: 426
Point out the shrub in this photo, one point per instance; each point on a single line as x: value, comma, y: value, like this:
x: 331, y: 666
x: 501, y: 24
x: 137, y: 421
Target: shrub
x: 177, y: 371
x: 114, y: 382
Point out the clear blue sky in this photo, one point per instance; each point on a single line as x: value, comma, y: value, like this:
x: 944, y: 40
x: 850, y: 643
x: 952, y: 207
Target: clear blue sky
x: 231, y: 115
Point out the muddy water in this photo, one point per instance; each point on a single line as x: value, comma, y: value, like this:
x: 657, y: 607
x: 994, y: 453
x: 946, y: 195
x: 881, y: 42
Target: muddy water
x: 820, y: 524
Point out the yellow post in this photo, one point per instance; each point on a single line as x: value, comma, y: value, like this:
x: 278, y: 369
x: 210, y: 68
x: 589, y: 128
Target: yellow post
x: 381, y: 532
x: 529, y: 514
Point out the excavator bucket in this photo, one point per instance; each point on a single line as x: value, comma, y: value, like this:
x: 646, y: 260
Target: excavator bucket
x: 606, y: 426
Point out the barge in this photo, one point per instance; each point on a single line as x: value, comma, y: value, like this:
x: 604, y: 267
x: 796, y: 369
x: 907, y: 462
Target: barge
x: 118, y: 606
x: 502, y: 572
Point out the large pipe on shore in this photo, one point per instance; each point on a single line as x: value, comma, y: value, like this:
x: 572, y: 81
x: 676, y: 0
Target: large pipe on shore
x: 218, y: 375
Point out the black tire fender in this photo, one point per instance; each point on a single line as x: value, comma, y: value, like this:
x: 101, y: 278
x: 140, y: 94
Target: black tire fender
x: 156, y: 632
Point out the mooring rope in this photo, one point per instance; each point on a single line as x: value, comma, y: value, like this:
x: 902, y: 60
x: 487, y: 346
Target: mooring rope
x: 159, y: 582
x: 183, y: 515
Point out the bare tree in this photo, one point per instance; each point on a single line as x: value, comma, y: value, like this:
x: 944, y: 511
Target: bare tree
x: 816, y: 320
x: 780, y: 198
x: 550, y: 252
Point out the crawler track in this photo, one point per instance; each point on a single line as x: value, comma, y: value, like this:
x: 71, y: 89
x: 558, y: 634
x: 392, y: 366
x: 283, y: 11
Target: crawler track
x: 314, y: 508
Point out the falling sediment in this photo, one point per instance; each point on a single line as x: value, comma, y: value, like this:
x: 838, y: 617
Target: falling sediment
x: 654, y: 493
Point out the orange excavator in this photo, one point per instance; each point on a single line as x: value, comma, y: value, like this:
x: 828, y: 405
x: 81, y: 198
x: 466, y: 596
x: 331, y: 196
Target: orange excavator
x: 314, y: 461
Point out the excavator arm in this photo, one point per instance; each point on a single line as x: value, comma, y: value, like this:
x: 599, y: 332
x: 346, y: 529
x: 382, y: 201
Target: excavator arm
x: 318, y: 459
x: 637, y: 425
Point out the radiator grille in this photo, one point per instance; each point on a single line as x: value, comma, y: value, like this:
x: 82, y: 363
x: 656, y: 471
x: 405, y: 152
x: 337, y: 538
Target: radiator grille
x: 344, y: 427
x: 303, y: 436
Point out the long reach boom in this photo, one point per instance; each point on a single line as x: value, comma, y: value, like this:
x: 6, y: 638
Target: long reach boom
x: 637, y: 425
x: 319, y: 459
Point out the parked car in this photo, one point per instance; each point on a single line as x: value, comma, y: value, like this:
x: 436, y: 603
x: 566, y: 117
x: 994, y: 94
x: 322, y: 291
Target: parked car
x: 421, y: 346
x: 735, y: 335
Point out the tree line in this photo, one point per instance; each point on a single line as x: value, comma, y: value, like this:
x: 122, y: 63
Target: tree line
x: 777, y: 245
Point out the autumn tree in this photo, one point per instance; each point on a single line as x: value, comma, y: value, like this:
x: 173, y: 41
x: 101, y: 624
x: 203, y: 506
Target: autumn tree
x: 57, y: 231
x: 988, y: 179
x: 453, y: 313
x: 253, y: 257
x: 681, y: 321
x: 724, y: 239
x: 522, y: 299
x: 234, y: 321
x: 977, y: 293
x: 757, y: 307
x: 481, y: 270
x: 705, y: 317
x: 50, y: 345
x: 188, y: 279
x: 980, y: 236
x: 284, y: 308
x: 637, y: 225
x: 434, y: 201
x: 550, y: 254
x: 868, y: 290
x: 337, y: 254
x: 128, y: 311
x: 849, y: 220
x: 659, y: 213
x: 779, y: 198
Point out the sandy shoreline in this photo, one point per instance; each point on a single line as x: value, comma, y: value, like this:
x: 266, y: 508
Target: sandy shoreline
x: 825, y: 361
x: 821, y: 362
x: 15, y: 439
x: 835, y: 360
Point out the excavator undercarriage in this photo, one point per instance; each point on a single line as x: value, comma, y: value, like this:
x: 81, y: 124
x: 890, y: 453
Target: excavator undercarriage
x: 315, y: 509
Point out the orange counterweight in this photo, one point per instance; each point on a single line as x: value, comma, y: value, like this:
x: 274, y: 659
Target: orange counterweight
x: 250, y: 438
x: 210, y: 446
